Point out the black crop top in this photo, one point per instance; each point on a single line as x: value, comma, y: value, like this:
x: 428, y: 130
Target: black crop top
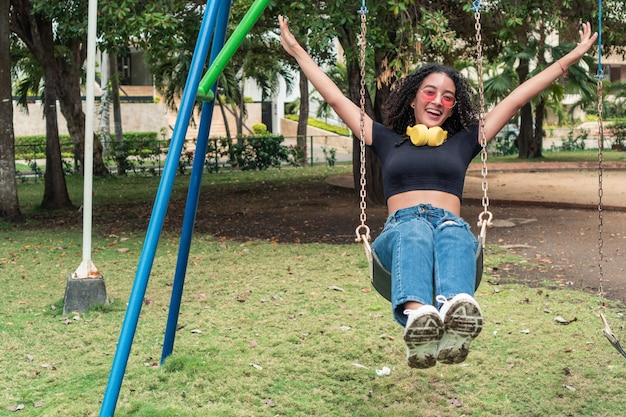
x: 408, y: 167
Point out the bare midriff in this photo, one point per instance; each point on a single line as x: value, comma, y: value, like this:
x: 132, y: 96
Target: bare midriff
x: 438, y: 199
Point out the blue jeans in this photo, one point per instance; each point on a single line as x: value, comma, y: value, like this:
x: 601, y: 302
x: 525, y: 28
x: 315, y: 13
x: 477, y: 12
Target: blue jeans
x: 430, y: 252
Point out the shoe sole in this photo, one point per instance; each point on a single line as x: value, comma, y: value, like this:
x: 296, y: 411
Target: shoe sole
x: 463, y: 323
x: 422, y: 339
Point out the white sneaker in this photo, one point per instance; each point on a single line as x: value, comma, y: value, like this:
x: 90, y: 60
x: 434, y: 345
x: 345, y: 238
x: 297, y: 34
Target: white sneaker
x: 424, y: 329
x: 462, y: 322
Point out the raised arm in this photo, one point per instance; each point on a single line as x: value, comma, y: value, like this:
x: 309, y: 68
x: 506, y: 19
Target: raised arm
x: 349, y: 112
x: 506, y: 109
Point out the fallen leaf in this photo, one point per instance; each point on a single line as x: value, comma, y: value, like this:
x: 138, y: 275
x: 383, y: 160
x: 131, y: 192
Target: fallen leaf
x: 455, y: 402
x: 561, y: 320
x: 253, y: 344
x: 269, y: 402
x: 385, y: 371
x: 196, y: 331
x: 569, y: 387
x: 257, y: 367
x: 242, y: 296
x: 122, y: 250
x: 15, y: 407
x: 39, y: 404
x: 336, y: 288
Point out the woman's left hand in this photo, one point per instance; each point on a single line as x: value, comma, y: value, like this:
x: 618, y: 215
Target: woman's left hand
x: 587, y: 39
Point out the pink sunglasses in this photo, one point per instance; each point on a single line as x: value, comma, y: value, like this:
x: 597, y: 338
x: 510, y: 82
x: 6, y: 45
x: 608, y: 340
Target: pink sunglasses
x: 447, y: 100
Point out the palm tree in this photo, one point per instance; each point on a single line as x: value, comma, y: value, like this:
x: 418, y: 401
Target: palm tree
x: 514, y: 67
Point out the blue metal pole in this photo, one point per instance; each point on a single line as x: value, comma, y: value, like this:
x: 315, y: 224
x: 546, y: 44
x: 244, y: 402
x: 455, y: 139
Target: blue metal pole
x: 600, y: 73
x: 155, y: 225
x: 194, y: 191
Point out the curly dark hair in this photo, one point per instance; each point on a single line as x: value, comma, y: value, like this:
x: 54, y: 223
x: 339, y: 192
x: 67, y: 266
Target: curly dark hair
x: 399, y: 113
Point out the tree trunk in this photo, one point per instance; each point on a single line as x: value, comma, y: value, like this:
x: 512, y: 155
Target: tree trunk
x: 229, y: 138
x: 105, y: 108
x: 240, y: 114
x: 120, y: 153
x: 66, y: 68
x: 537, y: 141
x: 38, y: 35
x: 70, y: 99
x: 525, y: 137
x: 303, y: 119
x: 55, y: 195
x: 9, y: 204
x: 373, y: 173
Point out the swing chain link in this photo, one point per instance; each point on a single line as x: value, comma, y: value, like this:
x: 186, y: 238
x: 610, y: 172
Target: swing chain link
x: 482, y: 220
x: 363, y: 231
x: 600, y: 195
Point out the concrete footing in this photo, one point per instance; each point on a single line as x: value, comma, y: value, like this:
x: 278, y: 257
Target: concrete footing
x: 82, y: 293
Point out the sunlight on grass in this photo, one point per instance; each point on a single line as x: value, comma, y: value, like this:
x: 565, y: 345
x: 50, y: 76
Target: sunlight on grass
x: 287, y: 330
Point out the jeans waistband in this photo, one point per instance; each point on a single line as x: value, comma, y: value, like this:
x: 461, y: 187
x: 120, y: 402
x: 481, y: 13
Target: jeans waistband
x: 421, y: 210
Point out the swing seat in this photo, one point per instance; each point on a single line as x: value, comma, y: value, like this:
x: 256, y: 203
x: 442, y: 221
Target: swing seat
x: 381, y: 276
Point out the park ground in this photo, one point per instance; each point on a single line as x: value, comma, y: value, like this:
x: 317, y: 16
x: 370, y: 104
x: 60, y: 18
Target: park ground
x: 546, y: 213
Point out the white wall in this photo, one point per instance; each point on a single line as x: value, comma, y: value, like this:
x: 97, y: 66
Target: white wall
x: 136, y: 117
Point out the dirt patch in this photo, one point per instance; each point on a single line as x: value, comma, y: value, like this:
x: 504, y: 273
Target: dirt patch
x: 560, y: 244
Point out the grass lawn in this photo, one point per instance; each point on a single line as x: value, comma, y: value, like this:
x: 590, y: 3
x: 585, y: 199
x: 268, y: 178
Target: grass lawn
x: 586, y: 155
x: 270, y: 329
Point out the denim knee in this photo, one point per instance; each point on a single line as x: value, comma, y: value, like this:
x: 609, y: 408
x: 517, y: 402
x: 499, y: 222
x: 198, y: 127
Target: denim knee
x: 427, y: 251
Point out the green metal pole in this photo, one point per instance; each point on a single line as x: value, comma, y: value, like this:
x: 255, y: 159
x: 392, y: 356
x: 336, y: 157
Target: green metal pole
x: 229, y: 48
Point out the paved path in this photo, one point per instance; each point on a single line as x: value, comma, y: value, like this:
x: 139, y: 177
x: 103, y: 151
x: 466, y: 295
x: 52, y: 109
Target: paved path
x: 548, y: 184
x: 551, y: 184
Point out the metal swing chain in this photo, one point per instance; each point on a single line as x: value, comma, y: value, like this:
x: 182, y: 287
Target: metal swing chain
x: 363, y: 231
x: 600, y: 194
x: 606, y: 330
x: 483, y: 221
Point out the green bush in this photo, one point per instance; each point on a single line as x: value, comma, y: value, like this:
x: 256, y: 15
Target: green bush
x: 142, y: 144
x: 257, y: 152
x: 572, y: 143
x: 260, y: 152
x: 618, y: 132
x: 34, y: 147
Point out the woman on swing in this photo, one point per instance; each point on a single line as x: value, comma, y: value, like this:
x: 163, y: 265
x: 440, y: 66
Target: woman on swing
x: 429, y: 137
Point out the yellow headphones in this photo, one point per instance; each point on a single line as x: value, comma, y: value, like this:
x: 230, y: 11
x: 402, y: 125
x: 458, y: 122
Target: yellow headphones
x: 421, y: 135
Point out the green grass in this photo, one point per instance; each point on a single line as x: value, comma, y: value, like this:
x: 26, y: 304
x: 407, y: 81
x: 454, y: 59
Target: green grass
x: 279, y: 330
x: 587, y: 155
